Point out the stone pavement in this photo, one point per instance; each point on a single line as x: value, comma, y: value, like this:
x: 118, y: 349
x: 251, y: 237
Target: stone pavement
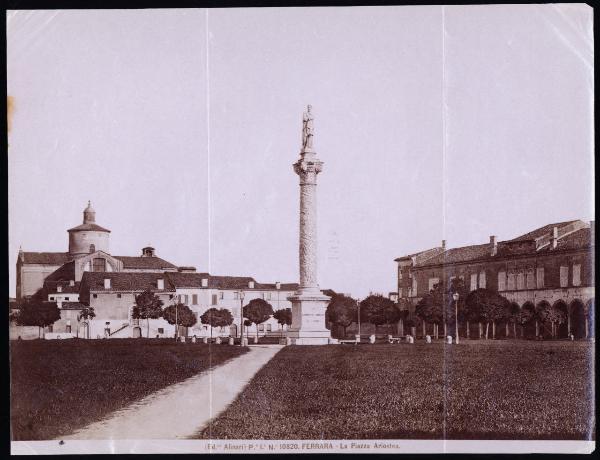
x: 182, y: 409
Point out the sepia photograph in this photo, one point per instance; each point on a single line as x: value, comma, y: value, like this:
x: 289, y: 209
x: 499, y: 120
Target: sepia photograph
x: 359, y: 229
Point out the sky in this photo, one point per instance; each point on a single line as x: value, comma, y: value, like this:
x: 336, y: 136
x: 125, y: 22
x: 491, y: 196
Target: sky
x: 181, y: 127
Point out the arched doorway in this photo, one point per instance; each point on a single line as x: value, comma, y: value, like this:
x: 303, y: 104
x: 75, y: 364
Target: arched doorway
x: 579, y: 320
x: 529, y: 328
x: 565, y: 326
x: 544, y: 329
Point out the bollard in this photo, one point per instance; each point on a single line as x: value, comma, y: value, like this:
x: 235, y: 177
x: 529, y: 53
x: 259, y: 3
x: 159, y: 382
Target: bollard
x: 182, y: 338
x: 255, y: 339
x: 204, y: 339
x: 372, y: 338
x: 218, y: 340
x: 230, y: 340
x: 244, y: 342
x: 449, y: 339
x: 411, y: 339
x: 427, y: 339
x: 357, y: 337
x: 288, y: 341
x: 194, y: 339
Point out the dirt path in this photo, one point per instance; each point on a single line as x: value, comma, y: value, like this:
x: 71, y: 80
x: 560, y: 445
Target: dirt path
x: 180, y: 410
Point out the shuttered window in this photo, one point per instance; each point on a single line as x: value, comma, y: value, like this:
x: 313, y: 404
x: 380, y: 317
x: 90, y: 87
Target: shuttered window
x: 502, y: 281
x: 540, y: 277
x: 577, y: 275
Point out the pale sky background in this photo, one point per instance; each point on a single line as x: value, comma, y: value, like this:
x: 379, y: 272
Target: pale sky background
x: 182, y: 126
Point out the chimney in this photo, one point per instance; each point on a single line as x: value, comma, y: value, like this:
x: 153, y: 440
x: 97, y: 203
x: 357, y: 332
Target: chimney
x: 160, y: 283
x: 21, y: 254
x: 278, y: 285
x: 148, y: 251
x: 251, y: 284
x: 71, y: 282
x: 443, y: 245
x: 204, y: 282
x: 58, y: 288
x: 106, y: 283
x: 493, y: 245
x: 554, y: 237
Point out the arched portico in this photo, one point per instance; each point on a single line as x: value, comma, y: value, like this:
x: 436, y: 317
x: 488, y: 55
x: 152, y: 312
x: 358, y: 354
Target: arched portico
x: 564, y: 328
x: 579, y: 319
x: 530, y: 329
x: 542, y: 328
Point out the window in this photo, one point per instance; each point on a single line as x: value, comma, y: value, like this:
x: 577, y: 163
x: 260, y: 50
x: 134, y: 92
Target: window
x: 577, y: 275
x: 564, y: 276
x: 414, y: 287
x: 214, y: 299
x: 92, y: 248
x: 51, y: 298
x: 520, y: 280
x: 540, y: 277
x: 118, y: 296
x: 50, y: 328
x: 161, y: 330
x: 261, y: 327
x: 433, y: 282
x: 473, y: 281
x: 482, y: 280
x: 171, y: 296
x: 183, y: 298
x: 194, y: 299
x: 530, y: 279
x: 510, y: 281
x: 99, y: 265
x: 400, y: 292
x: 68, y: 328
x: 399, y: 273
x: 269, y: 328
x: 221, y: 295
x: 95, y: 296
x: 66, y: 298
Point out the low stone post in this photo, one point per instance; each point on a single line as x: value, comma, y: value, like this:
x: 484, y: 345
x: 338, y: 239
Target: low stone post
x: 255, y: 339
x: 357, y: 337
x: 427, y: 339
x: 218, y: 340
x: 288, y: 341
x: 372, y: 338
x: 230, y: 340
x: 449, y: 339
x: 182, y: 338
x: 411, y: 339
x: 204, y: 339
x: 193, y: 339
x: 244, y: 342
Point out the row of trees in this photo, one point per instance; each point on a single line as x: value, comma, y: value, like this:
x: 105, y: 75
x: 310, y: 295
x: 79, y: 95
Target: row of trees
x: 484, y: 307
x: 376, y: 309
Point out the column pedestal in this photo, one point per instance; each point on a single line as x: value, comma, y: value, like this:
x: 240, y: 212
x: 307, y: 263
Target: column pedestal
x: 308, y: 319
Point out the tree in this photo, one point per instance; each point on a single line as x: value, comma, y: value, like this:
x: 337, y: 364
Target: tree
x: 283, y: 317
x: 85, y: 314
x: 147, y: 306
x: 341, y: 311
x: 180, y: 315
x: 214, y: 318
x: 378, y: 310
x: 551, y: 314
x: 34, y: 312
x: 489, y: 306
x: 438, y: 305
x: 258, y: 311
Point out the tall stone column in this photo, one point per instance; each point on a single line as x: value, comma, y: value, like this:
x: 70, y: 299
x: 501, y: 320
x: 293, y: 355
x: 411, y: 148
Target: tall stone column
x: 308, y: 303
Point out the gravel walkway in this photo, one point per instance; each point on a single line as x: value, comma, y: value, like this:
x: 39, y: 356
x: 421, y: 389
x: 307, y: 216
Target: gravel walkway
x: 181, y: 410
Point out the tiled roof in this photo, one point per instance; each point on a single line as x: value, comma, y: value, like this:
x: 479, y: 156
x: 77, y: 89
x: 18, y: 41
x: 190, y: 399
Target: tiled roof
x: 51, y: 287
x: 65, y: 272
x: 124, y: 281
x: 46, y: 258
x: 72, y: 306
x: 578, y: 240
x: 144, y: 262
x: 538, y: 232
x: 423, y: 256
x: 194, y: 280
x: 89, y: 227
x: 463, y: 254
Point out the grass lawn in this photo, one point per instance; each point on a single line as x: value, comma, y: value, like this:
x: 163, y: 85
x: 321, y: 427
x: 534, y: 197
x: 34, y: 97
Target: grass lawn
x: 58, y: 386
x: 476, y: 390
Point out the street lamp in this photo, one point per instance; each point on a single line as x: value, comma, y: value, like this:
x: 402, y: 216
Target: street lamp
x: 455, y: 297
x: 241, y: 318
x: 358, y: 315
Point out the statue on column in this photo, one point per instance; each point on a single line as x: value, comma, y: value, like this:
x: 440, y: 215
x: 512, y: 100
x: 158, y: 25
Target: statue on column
x: 307, y: 129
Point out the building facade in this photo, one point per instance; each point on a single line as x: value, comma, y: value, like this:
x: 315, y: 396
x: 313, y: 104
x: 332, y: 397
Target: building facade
x: 552, y: 265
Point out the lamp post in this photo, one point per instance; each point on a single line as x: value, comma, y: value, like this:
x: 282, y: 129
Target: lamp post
x: 358, y: 314
x: 241, y: 318
x: 455, y: 297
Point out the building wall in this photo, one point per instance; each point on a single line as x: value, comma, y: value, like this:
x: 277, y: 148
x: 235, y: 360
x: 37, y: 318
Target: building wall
x: 80, y: 241
x: 30, y: 277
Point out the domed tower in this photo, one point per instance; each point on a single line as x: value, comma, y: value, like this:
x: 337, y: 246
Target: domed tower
x: 88, y: 237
